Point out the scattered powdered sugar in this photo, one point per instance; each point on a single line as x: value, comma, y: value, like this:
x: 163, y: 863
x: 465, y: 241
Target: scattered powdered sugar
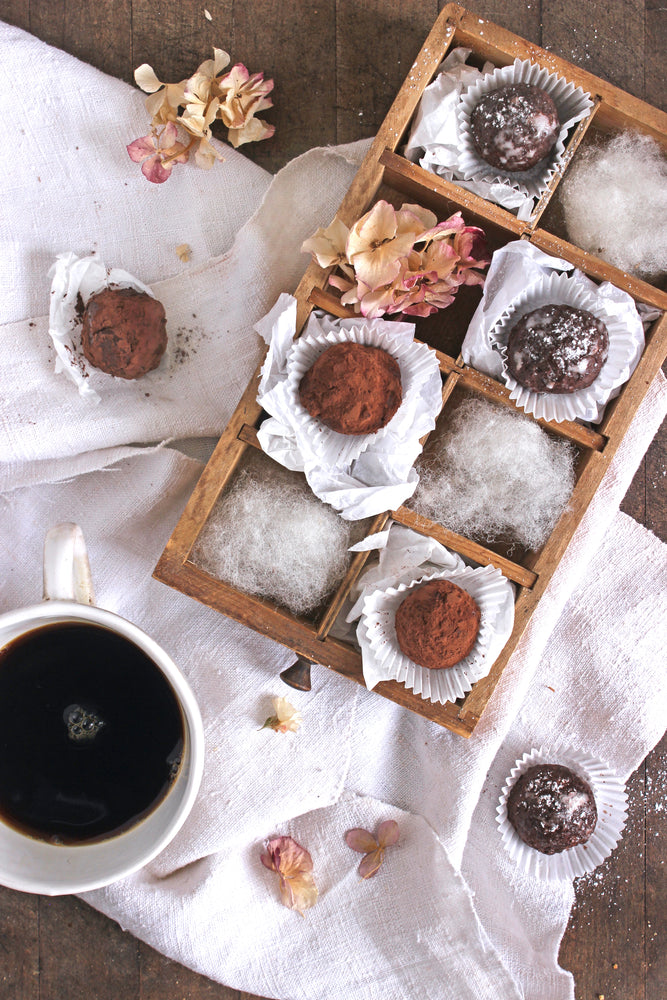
x: 614, y: 199
x: 493, y: 474
x: 269, y: 535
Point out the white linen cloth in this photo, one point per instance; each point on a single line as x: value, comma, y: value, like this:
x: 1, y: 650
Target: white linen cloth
x: 447, y: 916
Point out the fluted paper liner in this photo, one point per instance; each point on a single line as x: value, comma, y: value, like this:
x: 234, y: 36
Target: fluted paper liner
x: 74, y: 278
x: 485, y: 584
x: 611, y: 803
x: 572, y: 103
x: 584, y: 404
x: 415, y: 360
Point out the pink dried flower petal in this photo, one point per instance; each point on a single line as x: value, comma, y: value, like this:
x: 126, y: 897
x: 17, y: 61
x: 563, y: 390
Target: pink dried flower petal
x: 387, y: 834
x: 157, y: 153
x: 294, y: 865
x: 371, y: 863
x: 141, y: 148
x: 360, y: 840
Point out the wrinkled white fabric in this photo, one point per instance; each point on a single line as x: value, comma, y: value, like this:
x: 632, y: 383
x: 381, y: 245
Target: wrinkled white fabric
x: 446, y: 916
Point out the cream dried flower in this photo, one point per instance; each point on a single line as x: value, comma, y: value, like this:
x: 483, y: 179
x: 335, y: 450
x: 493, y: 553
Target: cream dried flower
x: 194, y: 104
x: 286, y: 719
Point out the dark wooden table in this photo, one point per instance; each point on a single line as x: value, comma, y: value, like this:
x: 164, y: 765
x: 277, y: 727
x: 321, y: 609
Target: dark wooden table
x: 337, y: 65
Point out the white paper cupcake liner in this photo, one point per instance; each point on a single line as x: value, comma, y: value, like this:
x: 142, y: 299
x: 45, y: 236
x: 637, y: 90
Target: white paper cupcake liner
x: 72, y: 278
x: 573, y: 105
x: 611, y: 803
x: 584, y: 404
x: 416, y: 361
x: 485, y: 584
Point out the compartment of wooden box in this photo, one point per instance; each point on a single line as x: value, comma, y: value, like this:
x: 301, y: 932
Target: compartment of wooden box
x: 385, y: 173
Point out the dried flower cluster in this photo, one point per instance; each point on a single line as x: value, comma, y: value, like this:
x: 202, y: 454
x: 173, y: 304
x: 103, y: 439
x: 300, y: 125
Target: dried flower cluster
x: 194, y: 104
x: 400, y: 261
x: 294, y: 865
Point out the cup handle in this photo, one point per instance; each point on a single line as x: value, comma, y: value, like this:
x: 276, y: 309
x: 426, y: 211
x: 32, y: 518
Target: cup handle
x: 66, y: 567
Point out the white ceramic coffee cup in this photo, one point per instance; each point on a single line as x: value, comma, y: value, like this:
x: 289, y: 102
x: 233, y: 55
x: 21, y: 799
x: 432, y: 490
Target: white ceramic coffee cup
x: 33, y: 865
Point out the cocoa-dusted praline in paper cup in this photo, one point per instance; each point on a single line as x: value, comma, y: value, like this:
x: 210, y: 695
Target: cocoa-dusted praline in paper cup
x: 352, y: 388
x: 437, y: 624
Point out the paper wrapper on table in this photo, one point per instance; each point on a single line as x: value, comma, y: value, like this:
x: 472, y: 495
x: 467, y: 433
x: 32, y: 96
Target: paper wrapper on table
x: 626, y: 343
x: 440, y: 141
x: 76, y: 279
x: 573, y: 104
x: 406, y: 560
x: 363, y: 474
x: 517, y: 273
x: 610, y: 801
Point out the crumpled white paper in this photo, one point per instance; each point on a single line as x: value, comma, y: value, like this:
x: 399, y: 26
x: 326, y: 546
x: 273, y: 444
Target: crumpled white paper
x: 74, y: 277
x: 522, y: 277
x: 438, y: 139
x: 359, y: 475
x: 406, y: 557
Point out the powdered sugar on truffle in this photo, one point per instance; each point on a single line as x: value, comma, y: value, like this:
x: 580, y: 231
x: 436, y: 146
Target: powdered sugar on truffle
x: 515, y: 127
x: 557, y: 348
x: 551, y: 808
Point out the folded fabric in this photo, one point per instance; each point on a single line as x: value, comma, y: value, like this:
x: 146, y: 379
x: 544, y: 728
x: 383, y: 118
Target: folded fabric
x: 446, y: 916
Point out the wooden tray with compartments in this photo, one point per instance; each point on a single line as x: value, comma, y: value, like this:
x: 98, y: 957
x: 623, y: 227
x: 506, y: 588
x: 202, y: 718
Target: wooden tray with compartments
x: 385, y: 173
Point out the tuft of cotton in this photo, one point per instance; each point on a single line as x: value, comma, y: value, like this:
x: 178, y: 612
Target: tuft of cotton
x: 492, y: 474
x: 614, y: 198
x: 269, y: 535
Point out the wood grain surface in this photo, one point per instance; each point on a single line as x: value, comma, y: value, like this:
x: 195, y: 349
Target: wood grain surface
x: 337, y: 66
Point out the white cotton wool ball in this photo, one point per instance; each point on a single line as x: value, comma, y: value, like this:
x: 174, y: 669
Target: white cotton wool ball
x: 614, y: 199
x: 492, y: 474
x: 268, y: 535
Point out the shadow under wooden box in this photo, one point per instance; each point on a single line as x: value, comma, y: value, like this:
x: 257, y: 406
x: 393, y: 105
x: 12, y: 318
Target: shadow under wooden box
x: 384, y: 173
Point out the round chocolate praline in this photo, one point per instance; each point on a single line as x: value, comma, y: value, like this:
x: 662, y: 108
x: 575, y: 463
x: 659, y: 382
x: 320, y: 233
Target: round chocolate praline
x: 124, y: 332
x: 352, y: 388
x: 557, y: 349
x: 437, y: 624
x: 514, y: 127
x: 551, y: 808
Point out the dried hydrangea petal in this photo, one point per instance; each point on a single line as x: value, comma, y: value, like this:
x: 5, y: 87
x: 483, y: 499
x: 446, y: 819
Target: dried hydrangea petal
x: 294, y: 865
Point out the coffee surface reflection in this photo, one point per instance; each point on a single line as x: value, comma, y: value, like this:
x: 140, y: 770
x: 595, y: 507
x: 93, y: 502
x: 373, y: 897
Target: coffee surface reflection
x: 91, y: 733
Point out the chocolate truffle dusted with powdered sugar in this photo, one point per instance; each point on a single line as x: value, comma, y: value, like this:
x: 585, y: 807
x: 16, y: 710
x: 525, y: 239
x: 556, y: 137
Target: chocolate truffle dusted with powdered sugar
x: 551, y: 808
x: 557, y: 349
x: 515, y: 127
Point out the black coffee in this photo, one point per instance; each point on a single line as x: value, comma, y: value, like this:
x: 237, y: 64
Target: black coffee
x: 91, y: 733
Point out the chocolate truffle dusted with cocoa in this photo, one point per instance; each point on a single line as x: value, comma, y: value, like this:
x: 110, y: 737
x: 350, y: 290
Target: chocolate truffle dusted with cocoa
x: 124, y: 332
x: 552, y: 808
x: 557, y: 348
x: 514, y: 127
x: 437, y: 624
x: 352, y: 388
